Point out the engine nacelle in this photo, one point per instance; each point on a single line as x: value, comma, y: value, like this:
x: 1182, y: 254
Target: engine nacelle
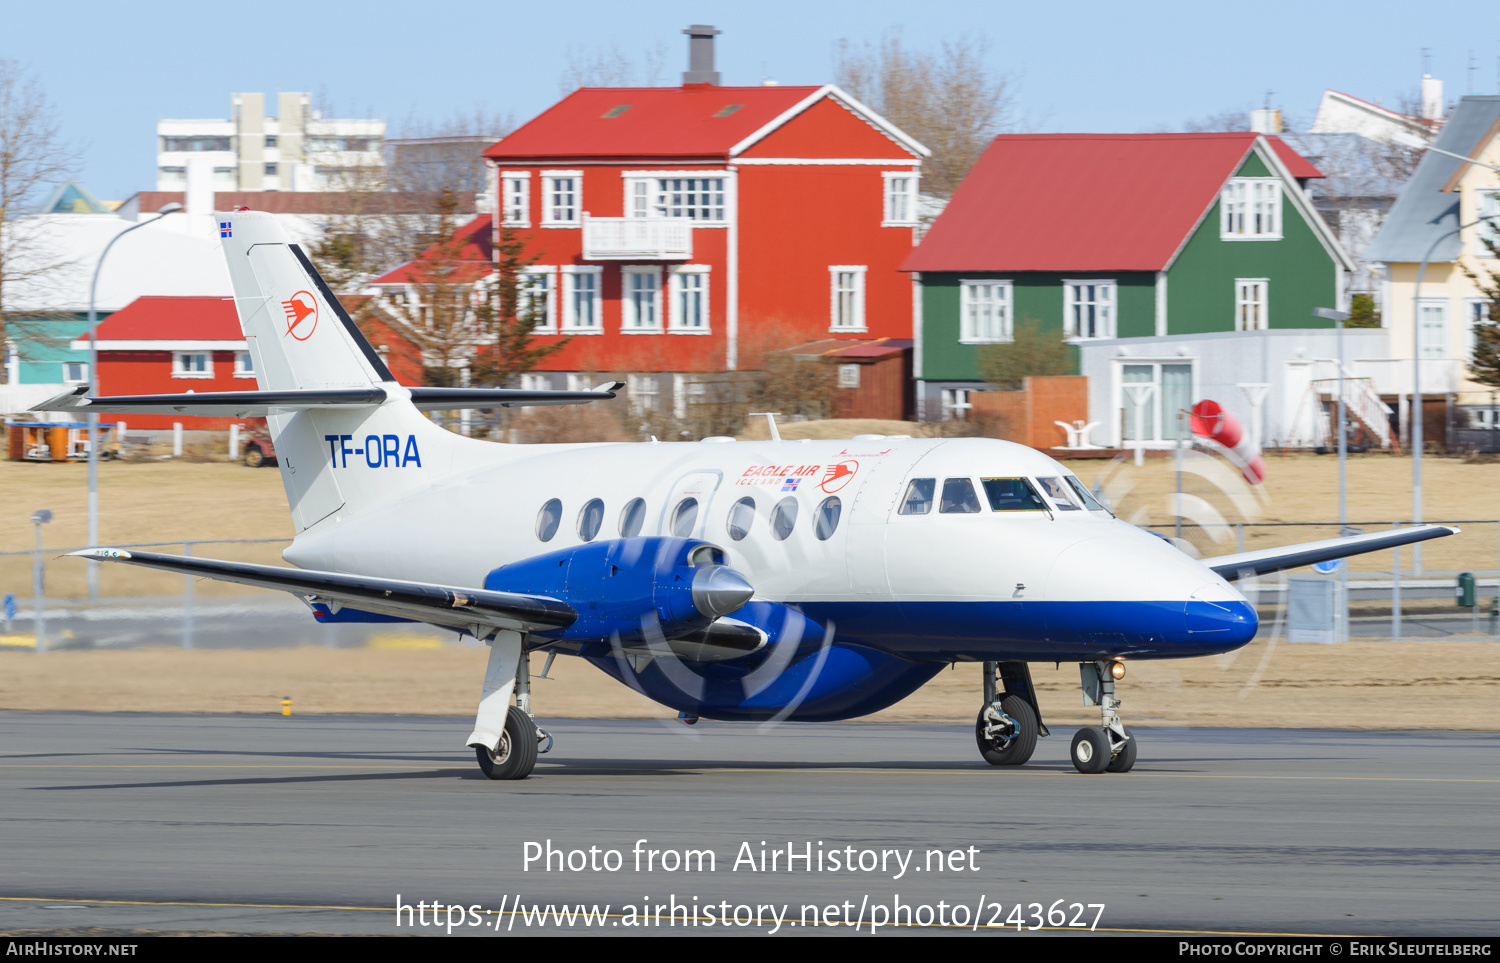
x: 631, y: 588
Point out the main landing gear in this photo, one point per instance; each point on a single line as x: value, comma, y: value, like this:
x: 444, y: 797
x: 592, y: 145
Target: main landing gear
x: 1109, y: 747
x: 1009, y: 722
x: 506, y: 740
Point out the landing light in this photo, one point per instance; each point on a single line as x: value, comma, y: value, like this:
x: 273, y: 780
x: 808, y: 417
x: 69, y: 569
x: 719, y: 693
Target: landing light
x: 1117, y: 670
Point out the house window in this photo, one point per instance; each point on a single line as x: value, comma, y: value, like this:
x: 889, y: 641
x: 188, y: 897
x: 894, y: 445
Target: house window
x: 847, y: 290
x: 1250, y: 209
x: 244, y: 365
x: 562, y: 192
x: 984, y: 312
x: 956, y: 404
x: 642, y: 288
x: 581, y: 299
x: 515, y: 190
x: 900, y: 199
x: 270, y: 170
x: 686, y: 393
x: 582, y: 381
x: 689, y: 299
x: 1489, y: 231
x: 699, y: 199
x: 536, y: 297
x: 848, y: 376
x: 1090, y: 310
x: 1251, y: 312
x: 75, y: 372
x: 192, y: 364
x: 643, y: 391
x: 1161, y: 415
x: 1432, y: 315
x: 1476, y: 313
x: 536, y: 382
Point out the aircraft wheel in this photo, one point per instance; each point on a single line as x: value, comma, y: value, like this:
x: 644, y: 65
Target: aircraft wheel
x: 515, y: 756
x: 1091, y: 750
x: 1124, y: 760
x: 1018, y: 748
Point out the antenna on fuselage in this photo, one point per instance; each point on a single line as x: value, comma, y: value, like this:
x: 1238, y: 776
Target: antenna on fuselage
x: 770, y: 420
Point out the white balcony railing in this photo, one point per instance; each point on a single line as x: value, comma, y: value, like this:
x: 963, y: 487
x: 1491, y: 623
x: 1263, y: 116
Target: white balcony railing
x: 636, y: 239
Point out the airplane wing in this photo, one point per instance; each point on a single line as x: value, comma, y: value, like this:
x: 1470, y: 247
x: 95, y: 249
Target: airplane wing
x: 1246, y: 564
x: 462, y: 608
x: 256, y: 404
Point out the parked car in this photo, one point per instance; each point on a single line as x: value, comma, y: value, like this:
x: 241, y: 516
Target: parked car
x: 256, y: 448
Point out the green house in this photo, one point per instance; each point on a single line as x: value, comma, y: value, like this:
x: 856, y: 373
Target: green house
x: 1176, y: 251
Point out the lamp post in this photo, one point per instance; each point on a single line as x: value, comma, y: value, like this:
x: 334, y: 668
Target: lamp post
x: 93, y: 508
x: 39, y: 518
x: 1338, y: 318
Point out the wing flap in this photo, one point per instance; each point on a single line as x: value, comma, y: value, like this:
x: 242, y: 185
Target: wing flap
x: 421, y: 601
x: 1264, y: 561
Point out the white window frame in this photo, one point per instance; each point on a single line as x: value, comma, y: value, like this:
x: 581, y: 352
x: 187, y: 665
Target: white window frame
x: 645, y: 391
x: 1002, y: 329
x: 1262, y: 305
x: 82, y: 379
x: 645, y: 194
x: 1163, y: 421
x: 1487, y: 202
x: 956, y: 403
x: 1476, y: 311
x: 631, y: 321
x: 1250, y: 209
x: 854, y: 323
x: 533, y: 381
x: 1107, y: 311
x: 849, y: 375
x: 677, y: 281
x: 244, y: 365
x: 1432, y: 348
x: 582, y: 380
x: 889, y: 214
x: 686, y: 393
x: 550, y: 210
x: 181, y: 370
x: 569, y: 275
x: 515, y: 198
x: 548, y: 272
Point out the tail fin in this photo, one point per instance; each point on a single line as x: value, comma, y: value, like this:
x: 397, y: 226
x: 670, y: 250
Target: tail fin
x: 299, y: 334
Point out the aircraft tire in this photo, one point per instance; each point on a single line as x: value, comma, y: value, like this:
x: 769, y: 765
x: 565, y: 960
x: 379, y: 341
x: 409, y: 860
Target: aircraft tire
x: 515, y: 757
x: 1124, y: 760
x: 1090, y: 752
x: 1021, y: 746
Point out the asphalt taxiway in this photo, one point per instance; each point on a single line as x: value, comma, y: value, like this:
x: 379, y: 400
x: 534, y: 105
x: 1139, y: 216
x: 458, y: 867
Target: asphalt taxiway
x: 320, y: 824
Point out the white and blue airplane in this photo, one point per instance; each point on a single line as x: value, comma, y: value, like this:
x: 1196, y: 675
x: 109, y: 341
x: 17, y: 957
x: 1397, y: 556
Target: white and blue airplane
x: 748, y: 580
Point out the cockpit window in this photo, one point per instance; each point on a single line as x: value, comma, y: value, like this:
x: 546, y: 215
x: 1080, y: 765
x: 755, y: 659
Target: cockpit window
x: 918, y: 500
x: 1084, y: 495
x: 1060, y: 494
x: 1012, y: 495
x: 958, y: 497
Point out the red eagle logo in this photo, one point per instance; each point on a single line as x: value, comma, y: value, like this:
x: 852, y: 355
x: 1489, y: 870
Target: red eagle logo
x: 301, y: 315
x: 837, y: 476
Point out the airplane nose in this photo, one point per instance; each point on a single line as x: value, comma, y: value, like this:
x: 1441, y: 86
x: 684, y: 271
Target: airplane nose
x: 1228, y: 622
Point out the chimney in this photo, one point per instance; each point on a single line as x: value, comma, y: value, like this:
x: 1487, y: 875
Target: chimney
x: 700, y: 55
x: 1266, y: 120
x: 1432, y: 98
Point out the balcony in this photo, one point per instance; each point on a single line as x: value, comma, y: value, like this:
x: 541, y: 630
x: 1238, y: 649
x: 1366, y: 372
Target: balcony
x: 636, y: 239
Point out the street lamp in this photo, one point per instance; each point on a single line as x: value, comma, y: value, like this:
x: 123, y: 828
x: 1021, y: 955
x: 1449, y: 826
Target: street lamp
x: 93, y: 512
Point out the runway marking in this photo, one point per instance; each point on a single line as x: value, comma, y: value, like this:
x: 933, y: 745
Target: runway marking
x: 658, y: 917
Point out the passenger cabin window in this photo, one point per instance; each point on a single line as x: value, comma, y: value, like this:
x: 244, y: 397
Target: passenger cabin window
x: 1059, y: 493
x: 590, y: 519
x: 741, y: 517
x: 958, y: 497
x: 784, y: 518
x: 548, y: 519
x: 828, y: 518
x: 632, y: 518
x: 918, y: 500
x: 1012, y: 495
x: 684, y: 517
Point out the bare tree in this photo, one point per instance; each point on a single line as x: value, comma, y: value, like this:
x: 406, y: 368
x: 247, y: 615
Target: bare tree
x: 948, y: 100
x: 611, y: 67
x: 32, y: 154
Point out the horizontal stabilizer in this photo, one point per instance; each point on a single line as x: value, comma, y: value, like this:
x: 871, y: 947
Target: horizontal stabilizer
x: 257, y: 404
x: 463, y: 608
x: 1266, y: 560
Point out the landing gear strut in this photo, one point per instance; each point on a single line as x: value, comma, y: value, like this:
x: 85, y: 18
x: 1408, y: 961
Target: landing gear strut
x: 505, y: 738
x: 1109, y: 747
x: 1009, y: 722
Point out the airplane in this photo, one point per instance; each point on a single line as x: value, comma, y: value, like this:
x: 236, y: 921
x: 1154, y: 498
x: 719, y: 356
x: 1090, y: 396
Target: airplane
x: 733, y: 580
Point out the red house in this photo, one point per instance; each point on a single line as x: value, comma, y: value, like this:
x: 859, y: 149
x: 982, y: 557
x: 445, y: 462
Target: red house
x: 683, y: 230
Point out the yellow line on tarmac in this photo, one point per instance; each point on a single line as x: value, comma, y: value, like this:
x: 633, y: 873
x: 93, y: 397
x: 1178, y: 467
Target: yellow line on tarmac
x: 658, y: 918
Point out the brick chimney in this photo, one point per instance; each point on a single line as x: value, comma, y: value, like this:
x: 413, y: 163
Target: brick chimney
x: 701, y: 55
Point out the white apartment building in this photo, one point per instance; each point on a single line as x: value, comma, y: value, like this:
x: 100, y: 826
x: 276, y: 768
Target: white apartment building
x: 295, y: 150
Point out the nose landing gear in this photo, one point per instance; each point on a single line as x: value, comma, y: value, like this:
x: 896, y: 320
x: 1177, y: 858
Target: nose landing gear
x: 1008, y: 723
x: 1110, y: 747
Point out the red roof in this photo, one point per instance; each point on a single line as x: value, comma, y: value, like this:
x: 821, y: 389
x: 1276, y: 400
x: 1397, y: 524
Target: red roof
x: 1296, y: 164
x: 695, y: 120
x: 173, y: 319
x: 468, y: 257
x: 1081, y: 202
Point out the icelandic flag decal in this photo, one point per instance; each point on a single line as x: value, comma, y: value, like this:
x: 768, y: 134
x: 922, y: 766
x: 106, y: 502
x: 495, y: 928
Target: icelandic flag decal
x: 790, y: 484
x: 225, y: 230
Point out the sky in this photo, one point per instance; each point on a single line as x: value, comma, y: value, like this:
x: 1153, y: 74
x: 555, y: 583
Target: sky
x: 111, y: 70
